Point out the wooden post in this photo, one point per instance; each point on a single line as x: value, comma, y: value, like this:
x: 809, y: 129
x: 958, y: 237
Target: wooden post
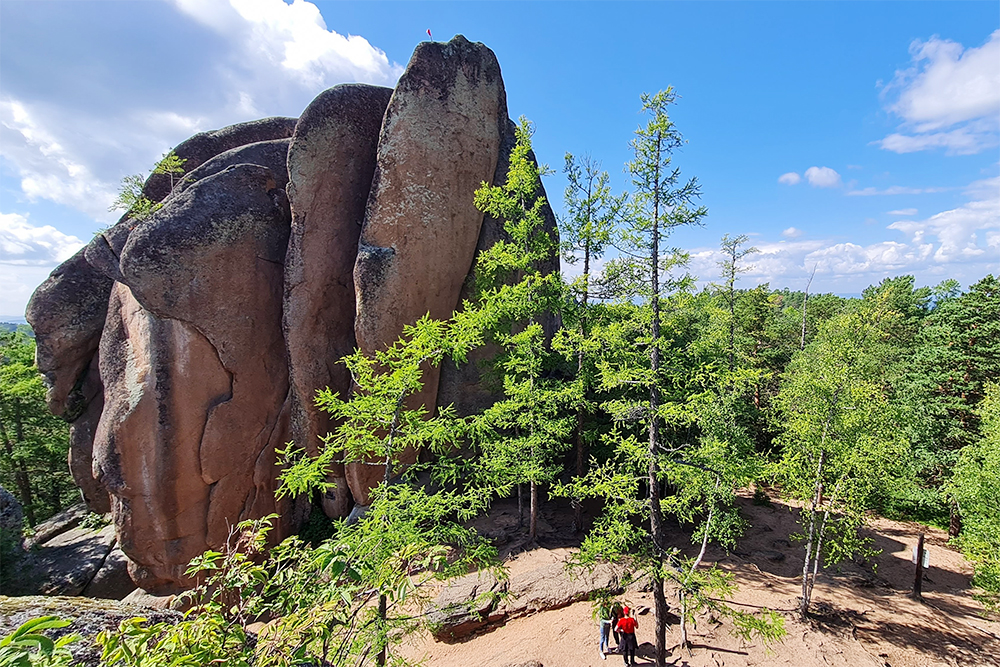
x: 918, y: 568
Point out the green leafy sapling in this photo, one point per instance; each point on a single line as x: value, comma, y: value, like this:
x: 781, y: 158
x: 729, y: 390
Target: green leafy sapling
x: 841, y: 444
x: 410, y: 535
x: 132, y: 200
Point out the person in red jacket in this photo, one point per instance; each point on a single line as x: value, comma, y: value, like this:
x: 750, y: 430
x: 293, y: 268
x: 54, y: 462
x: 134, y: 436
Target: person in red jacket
x: 627, y: 625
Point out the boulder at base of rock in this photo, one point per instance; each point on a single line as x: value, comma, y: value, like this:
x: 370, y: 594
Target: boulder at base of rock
x: 440, y: 140
x: 67, y: 519
x: 465, y: 606
x: 87, y: 617
x: 11, y: 522
x: 478, y: 602
x: 331, y: 160
x: 65, y: 564
x: 111, y: 581
x: 195, y: 374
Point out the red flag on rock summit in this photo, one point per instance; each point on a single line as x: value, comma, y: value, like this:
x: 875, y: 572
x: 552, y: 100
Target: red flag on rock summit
x: 429, y: 33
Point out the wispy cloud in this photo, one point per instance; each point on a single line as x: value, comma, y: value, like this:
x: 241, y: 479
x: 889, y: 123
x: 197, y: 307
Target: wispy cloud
x: 791, y: 178
x: 949, y: 98
x: 903, y: 211
x: 894, y: 190
x: 961, y: 243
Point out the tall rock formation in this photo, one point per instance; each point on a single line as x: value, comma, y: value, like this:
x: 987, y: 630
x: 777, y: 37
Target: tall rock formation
x: 462, y: 385
x: 331, y: 161
x: 185, y: 348
x: 440, y: 140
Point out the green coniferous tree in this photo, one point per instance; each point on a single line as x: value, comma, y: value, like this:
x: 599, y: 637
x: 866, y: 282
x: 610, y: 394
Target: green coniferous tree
x: 521, y: 434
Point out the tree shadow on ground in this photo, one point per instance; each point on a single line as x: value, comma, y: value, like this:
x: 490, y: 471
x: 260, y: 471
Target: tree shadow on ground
x: 920, y: 634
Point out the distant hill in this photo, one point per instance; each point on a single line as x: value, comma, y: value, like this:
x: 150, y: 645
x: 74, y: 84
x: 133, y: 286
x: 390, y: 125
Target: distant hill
x: 13, y: 323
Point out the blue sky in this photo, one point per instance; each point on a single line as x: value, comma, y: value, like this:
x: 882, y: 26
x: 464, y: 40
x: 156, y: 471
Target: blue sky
x: 862, y: 138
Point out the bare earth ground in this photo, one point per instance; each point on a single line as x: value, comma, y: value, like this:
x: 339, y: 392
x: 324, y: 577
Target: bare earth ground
x: 862, y: 614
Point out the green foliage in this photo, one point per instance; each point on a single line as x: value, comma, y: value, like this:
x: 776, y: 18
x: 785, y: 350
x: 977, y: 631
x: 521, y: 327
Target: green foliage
x: 841, y: 446
x: 28, y: 647
x: 132, y: 200
x: 35, y: 443
x: 94, y: 521
x: 520, y: 437
x: 203, y: 638
x: 374, y: 423
x: 360, y: 592
x: 976, y: 487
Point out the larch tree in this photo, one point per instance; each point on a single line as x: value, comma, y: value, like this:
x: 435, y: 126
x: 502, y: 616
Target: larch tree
x: 593, y: 213
x: 523, y: 433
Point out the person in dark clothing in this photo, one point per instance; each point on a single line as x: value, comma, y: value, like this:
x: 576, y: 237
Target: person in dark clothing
x: 616, y: 614
x: 627, y: 625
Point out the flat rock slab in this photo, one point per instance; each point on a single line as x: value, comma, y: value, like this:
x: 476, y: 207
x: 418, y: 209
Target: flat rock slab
x: 60, y: 523
x: 67, y: 563
x: 478, y: 601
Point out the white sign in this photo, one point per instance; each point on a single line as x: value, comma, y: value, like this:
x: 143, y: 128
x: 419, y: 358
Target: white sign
x: 927, y: 558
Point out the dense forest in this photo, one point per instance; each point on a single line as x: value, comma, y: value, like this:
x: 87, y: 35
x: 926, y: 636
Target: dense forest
x: 654, y: 400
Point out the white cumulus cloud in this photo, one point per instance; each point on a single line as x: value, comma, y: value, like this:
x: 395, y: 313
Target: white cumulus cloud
x: 270, y: 38
x: 949, y: 98
x: 23, y: 244
x: 792, y: 233
x: 261, y: 58
x: 791, y: 178
x: 822, y: 177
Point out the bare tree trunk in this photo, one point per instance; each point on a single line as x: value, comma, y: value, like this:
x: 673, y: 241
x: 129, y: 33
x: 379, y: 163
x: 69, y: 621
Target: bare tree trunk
x: 955, y: 519
x: 805, y: 297
x: 580, y: 453
x: 380, y: 659
x: 694, y: 566
x: 817, y: 498
x: 20, y: 470
x: 684, y: 630
x: 661, y: 609
x: 533, y: 518
x: 520, y: 506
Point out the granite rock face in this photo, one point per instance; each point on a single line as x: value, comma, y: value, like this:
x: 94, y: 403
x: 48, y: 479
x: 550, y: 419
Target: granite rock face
x: 204, y: 146
x: 195, y: 374
x: 186, y: 347
x: 271, y: 154
x: 331, y: 161
x: 440, y: 141
x: 67, y: 314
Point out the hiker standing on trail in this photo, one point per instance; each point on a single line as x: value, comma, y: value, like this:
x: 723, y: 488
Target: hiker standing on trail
x: 627, y: 626
x: 605, y: 620
x: 616, y: 614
